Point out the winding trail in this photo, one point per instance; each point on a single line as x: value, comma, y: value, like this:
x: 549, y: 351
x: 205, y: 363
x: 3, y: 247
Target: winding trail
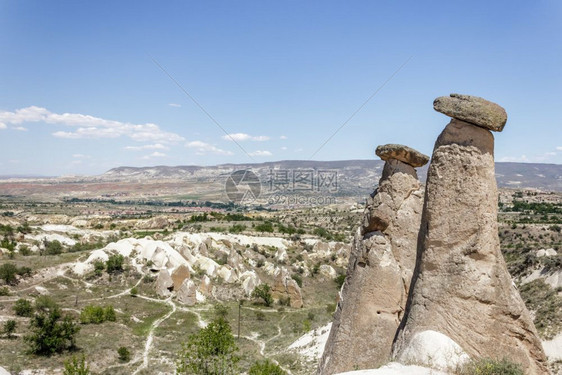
x: 150, y: 337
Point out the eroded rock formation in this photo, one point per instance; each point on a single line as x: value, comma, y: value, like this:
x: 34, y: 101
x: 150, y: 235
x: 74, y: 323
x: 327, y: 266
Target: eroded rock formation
x: 381, y: 264
x: 461, y: 292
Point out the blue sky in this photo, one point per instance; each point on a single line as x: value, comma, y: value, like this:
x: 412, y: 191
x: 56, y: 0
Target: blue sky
x: 80, y: 94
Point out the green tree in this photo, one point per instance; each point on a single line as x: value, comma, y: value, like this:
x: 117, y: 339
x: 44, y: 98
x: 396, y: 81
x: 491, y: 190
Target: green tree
x: 109, y: 314
x: 99, y: 266
x: 9, y: 328
x: 212, y: 351
x: 53, y: 247
x: 263, y: 291
x: 266, y: 226
x: 266, y: 368
x: 8, y: 272
x: 92, y: 315
x: 51, y: 333
x: 124, y: 354
x: 76, y: 366
x: 23, y: 307
x: 115, y: 263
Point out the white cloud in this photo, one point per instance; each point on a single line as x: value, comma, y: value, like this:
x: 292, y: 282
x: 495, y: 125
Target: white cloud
x: 81, y: 156
x: 260, y: 153
x: 559, y: 148
x: 515, y: 159
x: 20, y: 128
x: 245, y: 137
x: 2, y: 125
x: 174, y: 105
x: 204, y: 148
x: 89, y: 126
x: 157, y: 146
x: 283, y: 137
x: 283, y: 148
x: 155, y: 154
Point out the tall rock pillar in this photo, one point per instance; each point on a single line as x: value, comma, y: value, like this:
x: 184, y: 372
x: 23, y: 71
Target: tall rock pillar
x: 381, y: 265
x: 462, y: 302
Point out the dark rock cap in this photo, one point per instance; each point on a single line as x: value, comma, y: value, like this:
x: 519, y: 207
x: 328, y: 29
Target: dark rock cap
x: 472, y: 109
x: 402, y: 153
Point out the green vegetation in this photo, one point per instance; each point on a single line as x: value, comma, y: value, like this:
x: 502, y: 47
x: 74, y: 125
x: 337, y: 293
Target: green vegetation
x: 211, y: 351
x: 115, y: 263
x: 298, y: 279
x: 97, y: 314
x: 266, y: 226
x: 546, y: 303
x: 237, y: 228
x: 340, y: 279
x: 23, y: 307
x: 489, y: 366
x: 53, y: 247
x: 263, y: 292
x: 4, y: 291
x: 9, y: 273
x: 124, y: 354
x: 51, y: 333
x: 76, y: 366
x: 266, y: 368
x: 9, y: 328
x: 45, y: 304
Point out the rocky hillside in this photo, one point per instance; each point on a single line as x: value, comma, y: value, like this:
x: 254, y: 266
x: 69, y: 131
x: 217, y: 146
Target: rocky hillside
x: 355, y: 177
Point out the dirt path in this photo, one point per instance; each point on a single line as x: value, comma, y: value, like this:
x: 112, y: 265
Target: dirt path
x: 263, y: 343
x: 150, y: 337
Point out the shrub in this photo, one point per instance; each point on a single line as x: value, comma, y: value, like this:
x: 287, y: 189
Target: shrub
x: 306, y: 325
x: 315, y: 269
x: 51, y: 333
x: 4, y: 291
x: 8, y: 272
x: 264, y: 227
x: 546, y: 303
x: 9, y: 328
x: 115, y: 263
x: 53, y: 247
x: 99, y: 266
x: 24, y: 250
x: 266, y: 368
x: 237, y: 228
x: 211, y: 351
x: 489, y: 366
x: 298, y: 279
x: 340, y: 279
x: 263, y: 292
x: 45, y: 304
x: 134, y: 291
x: 97, y: 314
x: 124, y: 354
x: 260, y: 316
x: 23, y: 307
x: 76, y: 366
x: 109, y: 313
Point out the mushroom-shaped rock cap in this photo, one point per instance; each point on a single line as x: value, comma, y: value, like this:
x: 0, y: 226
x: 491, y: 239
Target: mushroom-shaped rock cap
x: 403, y: 153
x: 473, y: 109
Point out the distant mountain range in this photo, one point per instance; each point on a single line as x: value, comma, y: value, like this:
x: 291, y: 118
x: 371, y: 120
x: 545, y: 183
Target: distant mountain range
x: 354, y: 177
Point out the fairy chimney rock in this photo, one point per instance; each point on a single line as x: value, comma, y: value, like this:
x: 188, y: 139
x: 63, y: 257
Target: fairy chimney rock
x: 381, y: 263
x: 462, y: 301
